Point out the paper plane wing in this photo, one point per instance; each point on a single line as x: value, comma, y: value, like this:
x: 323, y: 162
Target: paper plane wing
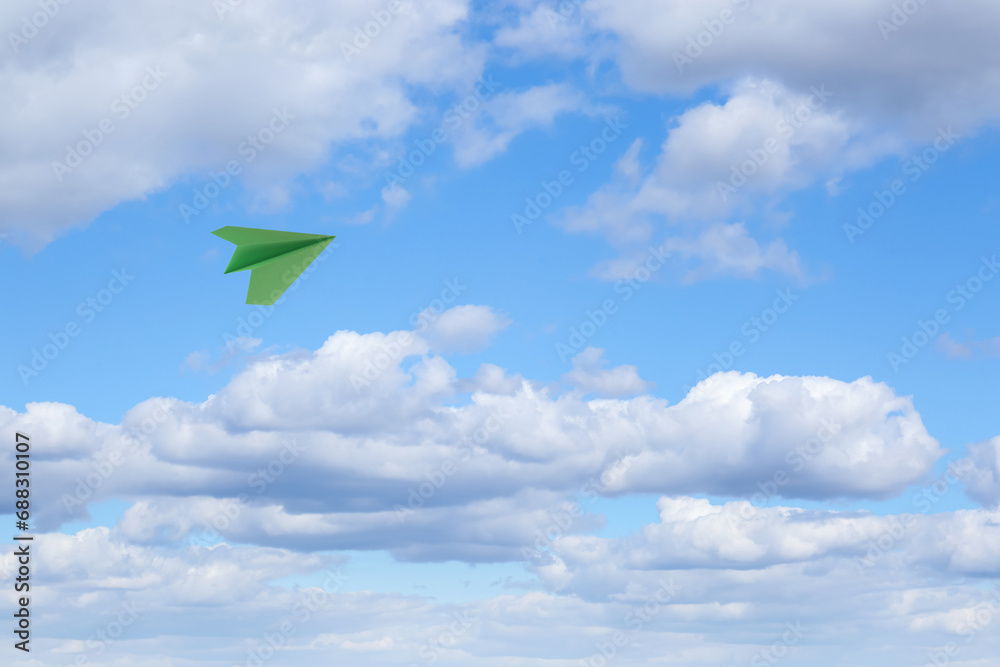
x: 275, y: 259
x: 270, y: 280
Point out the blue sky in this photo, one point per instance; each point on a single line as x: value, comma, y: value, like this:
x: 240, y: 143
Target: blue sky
x: 802, y: 312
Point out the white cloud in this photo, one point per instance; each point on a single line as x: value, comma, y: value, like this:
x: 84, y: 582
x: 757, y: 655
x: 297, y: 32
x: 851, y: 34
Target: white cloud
x: 492, y: 379
x: 610, y: 210
x: 694, y: 533
x: 327, y: 446
x: 383, y: 644
x: 728, y: 250
x: 463, y: 328
x: 545, y: 32
x: 223, y: 79
x: 196, y: 361
x: 982, y: 481
x: 952, y: 348
x: 589, y: 376
x: 371, y: 414
x: 931, y: 70
x: 507, y: 115
x: 713, y: 163
x: 753, y: 133
x: 395, y: 196
x: 768, y: 60
x: 729, y: 608
x: 364, y: 217
x: 340, y: 459
x: 969, y: 348
x: 200, y: 361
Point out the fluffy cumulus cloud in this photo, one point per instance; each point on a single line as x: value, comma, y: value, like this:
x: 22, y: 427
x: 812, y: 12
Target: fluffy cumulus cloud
x: 983, y: 478
x: 463, y: 328
x: 764, y: 140
x: 590, y: 376
x: 729, y: 250
x: 365, y: 418
x: 810, y: 92
x: 374, y: 443
x: 545, y: 31
x: 119, y: 103
x: 911, y: 67
x: 739, y: 535
x: 239, y: 514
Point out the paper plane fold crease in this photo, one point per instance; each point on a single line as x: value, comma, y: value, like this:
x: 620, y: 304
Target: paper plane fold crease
x: 275, y: 259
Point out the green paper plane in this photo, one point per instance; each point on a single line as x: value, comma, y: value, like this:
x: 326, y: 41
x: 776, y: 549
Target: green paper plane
x: 275, y: 259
